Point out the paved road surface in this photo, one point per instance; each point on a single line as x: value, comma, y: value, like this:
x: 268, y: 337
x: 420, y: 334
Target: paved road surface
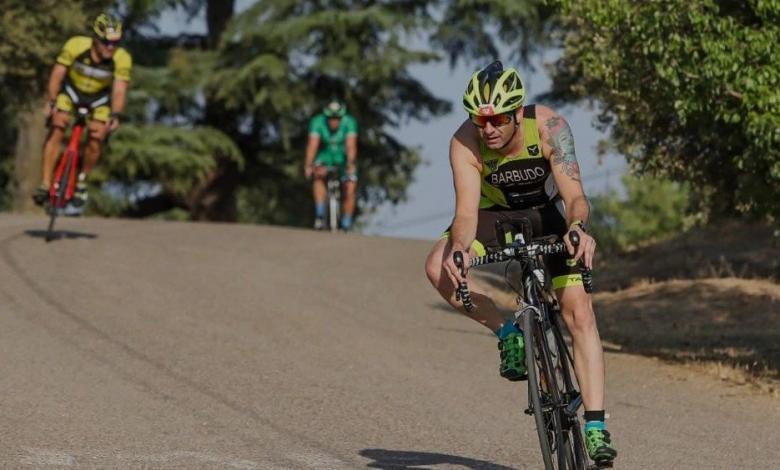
x: 150, y: 345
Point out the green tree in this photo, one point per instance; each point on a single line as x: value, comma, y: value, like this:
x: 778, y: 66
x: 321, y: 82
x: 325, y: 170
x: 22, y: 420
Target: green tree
x: 473, y: 30
x: 281, y: 60
x: 653, y: 209
x: 690, y: 91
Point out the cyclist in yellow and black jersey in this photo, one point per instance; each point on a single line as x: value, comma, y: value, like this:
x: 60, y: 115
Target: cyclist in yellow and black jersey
x: 92, y: 70
x: 510, y: 161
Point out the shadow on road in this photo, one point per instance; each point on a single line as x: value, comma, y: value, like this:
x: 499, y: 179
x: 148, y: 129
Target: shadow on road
x: 60, y: 234
x: 402, y: 459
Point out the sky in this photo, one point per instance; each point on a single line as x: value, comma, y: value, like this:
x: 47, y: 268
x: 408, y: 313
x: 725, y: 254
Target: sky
x: 430, y: 200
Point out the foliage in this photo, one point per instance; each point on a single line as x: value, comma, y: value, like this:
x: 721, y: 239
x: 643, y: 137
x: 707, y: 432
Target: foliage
x: 472, y: 29
x: 690, y: 91
x: 281, y: 60
x: 177, y: 158
x: 652, y: 210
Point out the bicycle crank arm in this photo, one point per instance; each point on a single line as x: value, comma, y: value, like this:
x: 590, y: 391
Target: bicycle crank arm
x: 571, y: 409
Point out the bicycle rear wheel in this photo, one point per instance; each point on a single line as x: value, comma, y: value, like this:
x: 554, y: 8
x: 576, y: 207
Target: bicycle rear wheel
x: 546, y: 400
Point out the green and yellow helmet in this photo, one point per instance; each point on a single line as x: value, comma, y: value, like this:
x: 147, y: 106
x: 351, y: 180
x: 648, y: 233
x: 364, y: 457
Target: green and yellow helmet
x: 494, y: 90
x: 107, y: 27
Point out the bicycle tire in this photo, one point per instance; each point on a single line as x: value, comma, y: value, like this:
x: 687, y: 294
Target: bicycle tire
x: 572, y: 393
x: 60, y: 199
x: 333, y: 206
x: 554, y: 427
x: 534, y: 390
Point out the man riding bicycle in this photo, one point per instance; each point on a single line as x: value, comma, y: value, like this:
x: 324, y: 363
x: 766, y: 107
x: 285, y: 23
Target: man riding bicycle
x: 510, y: 161
x: 93, y: 71
x: 337, y: 130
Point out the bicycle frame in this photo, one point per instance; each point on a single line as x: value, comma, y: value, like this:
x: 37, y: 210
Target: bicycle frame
x: 63, y: 184
x: 66, y: 165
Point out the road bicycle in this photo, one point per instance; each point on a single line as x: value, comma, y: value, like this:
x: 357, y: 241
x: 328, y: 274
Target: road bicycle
x: 63, y: 184
x: 553, y: 396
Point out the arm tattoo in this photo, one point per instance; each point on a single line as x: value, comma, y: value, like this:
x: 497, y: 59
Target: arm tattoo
x: 561, y: 140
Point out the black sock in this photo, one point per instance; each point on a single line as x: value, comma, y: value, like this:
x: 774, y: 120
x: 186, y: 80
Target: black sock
x: 594, y: 415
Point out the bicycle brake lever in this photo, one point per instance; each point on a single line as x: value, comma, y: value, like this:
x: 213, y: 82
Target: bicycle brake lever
x: 462, y: 292
x: 587, y: 275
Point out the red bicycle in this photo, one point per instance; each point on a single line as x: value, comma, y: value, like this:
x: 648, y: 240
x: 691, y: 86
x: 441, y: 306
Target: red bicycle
x: 63, y: 184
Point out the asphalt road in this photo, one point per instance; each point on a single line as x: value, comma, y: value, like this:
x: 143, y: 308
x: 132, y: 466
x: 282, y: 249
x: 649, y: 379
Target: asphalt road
x: 134, y: 344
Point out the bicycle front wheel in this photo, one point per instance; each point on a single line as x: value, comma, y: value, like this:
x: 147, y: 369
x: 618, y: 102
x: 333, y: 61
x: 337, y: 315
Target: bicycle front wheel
x: 545, y: 397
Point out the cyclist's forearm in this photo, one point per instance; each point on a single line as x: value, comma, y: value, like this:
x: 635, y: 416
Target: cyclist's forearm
x: 118, y: 96
x: 55, y: 81
x: 311, y: 150
x: 577, y: 210
x: 351, y: 150
x: 464, y: 229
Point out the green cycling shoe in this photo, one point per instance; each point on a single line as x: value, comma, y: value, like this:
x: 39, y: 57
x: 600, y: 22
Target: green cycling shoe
x: 512, y: 349
x: 599, y: 446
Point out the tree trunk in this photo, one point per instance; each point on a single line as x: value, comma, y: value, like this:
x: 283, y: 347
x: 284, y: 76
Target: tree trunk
x: 218, y: 13
x: 215, y: 199
x: 29, y: 149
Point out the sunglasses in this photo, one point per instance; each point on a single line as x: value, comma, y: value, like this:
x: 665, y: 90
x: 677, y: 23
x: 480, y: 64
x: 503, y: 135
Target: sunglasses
x: 108, y: 43
x: 495, y: 120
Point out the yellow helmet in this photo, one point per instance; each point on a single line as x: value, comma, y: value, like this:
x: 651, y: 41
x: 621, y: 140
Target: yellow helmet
x: 107, y: 27
x: 494, y: 90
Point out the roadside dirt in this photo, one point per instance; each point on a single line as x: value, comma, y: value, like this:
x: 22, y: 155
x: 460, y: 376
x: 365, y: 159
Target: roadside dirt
x: 707, y: 299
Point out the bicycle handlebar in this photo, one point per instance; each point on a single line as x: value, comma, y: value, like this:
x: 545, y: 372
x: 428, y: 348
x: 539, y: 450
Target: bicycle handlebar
x: 516, y: 252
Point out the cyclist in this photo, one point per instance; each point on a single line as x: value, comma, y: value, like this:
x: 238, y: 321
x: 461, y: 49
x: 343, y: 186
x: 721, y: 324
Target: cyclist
x: 510, y: 160
x: 91, y: 70
x: 337, y: 129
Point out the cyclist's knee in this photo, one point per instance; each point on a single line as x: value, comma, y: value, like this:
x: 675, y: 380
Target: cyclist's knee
x: 320, y: 173
x: 578, y: 314
x: 98, y: 130
x: 433, y: 269
x: 59, y: 121
x: 349, y: 189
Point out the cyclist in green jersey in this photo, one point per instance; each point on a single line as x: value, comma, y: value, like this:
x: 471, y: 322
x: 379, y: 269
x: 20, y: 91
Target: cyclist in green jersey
x: 510, y: 161
x: 336, y: 130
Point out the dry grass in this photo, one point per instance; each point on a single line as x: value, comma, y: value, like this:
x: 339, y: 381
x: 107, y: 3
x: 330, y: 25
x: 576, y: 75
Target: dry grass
x: 726, y: 250
x: 729, y: 327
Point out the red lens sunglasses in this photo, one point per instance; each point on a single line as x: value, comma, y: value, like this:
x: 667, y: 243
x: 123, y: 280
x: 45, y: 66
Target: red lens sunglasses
x: 495, y: 120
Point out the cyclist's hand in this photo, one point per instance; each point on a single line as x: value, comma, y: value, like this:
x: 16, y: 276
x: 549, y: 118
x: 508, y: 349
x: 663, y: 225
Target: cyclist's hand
x: 351, y: 169
x: 586, y: 250
x: 307, y: 171
x: 448, y: 263
x: 113, y: 123
x: 48, y: 109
